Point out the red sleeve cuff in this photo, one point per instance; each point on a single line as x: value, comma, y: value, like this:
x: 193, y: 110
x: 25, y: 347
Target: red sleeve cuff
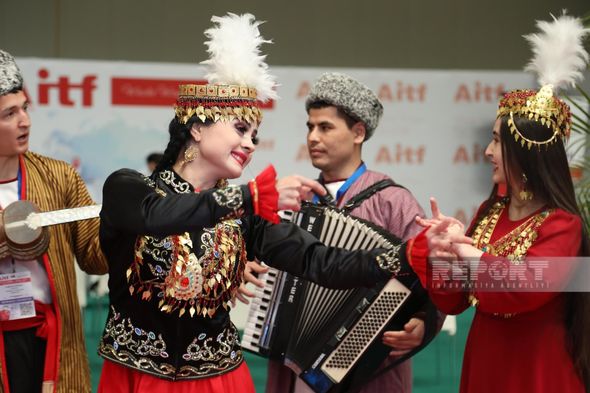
x: 265, y: 197
x: 417, y: 254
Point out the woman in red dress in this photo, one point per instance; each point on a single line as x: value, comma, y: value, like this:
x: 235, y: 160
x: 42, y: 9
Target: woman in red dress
x: 535, y: 339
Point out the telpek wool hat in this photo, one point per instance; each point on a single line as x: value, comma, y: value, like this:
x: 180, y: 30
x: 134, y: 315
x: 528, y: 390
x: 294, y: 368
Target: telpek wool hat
x: 354, y: 98
x: 11, y: 78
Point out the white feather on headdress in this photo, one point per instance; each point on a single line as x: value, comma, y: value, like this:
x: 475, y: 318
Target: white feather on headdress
x: 559, y: 54
x: 234, y: 54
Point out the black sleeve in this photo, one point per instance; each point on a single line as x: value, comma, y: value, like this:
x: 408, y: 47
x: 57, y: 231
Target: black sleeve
x: 131, y: 205
x: 287, y: 247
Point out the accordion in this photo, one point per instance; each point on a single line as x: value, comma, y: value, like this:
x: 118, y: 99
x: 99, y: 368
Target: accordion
x: 322, y: 334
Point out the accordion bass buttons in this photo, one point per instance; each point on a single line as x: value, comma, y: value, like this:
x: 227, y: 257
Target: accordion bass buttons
x: 385, y: 306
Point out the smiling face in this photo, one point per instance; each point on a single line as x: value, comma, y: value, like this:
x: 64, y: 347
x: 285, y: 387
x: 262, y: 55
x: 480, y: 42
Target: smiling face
x: 225, y: 148
x: 14, y: 124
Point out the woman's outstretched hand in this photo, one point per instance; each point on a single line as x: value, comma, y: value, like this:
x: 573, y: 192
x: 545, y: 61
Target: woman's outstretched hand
x: 294, y: 189
x: 443, y: 238
x: 437, y: 217
x: 447, y: 241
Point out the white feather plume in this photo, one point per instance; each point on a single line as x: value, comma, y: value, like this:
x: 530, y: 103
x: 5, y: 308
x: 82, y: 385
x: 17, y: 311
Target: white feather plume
x: 234, y: 54
x: 559, y: 54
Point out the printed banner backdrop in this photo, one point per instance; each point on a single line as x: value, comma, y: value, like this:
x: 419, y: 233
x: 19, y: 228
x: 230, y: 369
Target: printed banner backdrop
x: 101, y: 116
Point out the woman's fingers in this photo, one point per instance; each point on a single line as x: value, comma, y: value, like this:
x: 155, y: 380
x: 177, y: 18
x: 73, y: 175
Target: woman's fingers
x: 311, y: 185
x: 434, y: 208
x: 293, y: 189
x: 426, y: 222
x: 460, y: 238
x: 258, y: 268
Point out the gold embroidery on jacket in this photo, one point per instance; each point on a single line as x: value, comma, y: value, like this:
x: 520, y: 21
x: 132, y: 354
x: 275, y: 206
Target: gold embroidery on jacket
x: 169, y: 269
x: 184, y: 282
x: 230, y: 196
x: 126, y: 343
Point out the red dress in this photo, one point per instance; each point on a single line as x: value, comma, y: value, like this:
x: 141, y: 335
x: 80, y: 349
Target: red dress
x: 517, y: 341
x: 119, y: 379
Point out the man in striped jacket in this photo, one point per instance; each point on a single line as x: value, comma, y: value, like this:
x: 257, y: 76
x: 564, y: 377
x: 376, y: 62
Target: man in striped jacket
x: 42, y: 351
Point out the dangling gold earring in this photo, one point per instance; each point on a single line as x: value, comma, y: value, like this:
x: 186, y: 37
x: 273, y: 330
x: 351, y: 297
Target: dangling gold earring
x: 524, y: 194
x: 190, y: 154
x: 221, y: 183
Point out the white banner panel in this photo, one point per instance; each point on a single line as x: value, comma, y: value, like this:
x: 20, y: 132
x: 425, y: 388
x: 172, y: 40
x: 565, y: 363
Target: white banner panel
x: 101, y: 116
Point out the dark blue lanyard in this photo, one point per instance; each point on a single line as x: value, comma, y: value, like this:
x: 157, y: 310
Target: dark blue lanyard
x: 19, y: 182
x: 349, y: 182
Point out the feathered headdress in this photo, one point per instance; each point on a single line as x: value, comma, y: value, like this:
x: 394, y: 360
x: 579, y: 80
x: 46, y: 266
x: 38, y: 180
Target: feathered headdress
x: 559, y: 58
x: 237, y: 75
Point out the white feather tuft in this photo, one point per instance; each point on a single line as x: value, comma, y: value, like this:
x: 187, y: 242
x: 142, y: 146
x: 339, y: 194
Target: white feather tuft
x: 234, y: 54
x: 559, y: 55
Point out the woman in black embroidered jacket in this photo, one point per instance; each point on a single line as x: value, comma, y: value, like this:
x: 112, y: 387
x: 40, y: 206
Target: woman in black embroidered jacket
x: 177, y: 243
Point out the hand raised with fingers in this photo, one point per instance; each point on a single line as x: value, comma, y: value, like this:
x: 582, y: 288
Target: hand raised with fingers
x: 437, y: 217
x: 442, y: 235
x: 295, y: 188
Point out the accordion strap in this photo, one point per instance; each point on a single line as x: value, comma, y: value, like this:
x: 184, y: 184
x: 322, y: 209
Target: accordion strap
x: 368, y: 192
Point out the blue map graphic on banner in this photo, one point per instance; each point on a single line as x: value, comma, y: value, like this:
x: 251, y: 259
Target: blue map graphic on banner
x: 99, y: 152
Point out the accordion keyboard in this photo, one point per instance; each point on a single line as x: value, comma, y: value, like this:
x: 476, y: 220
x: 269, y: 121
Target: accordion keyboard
x: 258, y: 327
x: 329, y: 336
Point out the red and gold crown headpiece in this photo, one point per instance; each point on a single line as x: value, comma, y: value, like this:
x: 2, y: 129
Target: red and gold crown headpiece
x: 238, y: 78
x: 541, y: 106
x: 559, y: 58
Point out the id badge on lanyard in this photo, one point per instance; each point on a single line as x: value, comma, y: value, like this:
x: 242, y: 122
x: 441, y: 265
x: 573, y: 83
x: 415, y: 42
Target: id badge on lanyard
x: 16, y: 296
x: 16, y: 289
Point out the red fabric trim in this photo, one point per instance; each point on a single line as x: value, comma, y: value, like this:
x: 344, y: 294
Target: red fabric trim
x: 254, y: 191
x: 417, y: 254
x: 117, y: 378
x: 46, y: 324
x: 55, y: 305
x: 268, y: 196
x: 4, y: 370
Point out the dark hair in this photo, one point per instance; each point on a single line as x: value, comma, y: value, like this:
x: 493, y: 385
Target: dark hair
x: 15, y: 90
x: 180, y: 134
x: 154, y: 157
x: 348, y: 119
x: 548, y: 177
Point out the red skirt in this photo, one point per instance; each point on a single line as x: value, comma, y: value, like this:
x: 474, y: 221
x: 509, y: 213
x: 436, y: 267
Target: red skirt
x: 120, y: 379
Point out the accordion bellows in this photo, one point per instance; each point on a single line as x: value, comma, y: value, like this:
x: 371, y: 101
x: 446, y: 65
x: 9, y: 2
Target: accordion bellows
x: 324, y: 334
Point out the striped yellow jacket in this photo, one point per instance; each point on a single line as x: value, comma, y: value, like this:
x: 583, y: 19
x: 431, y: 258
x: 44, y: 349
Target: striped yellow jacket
x: 54, y: 185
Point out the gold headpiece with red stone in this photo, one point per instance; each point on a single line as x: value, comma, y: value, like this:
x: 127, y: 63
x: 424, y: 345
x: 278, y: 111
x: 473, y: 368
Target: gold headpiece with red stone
x: 540, y: 106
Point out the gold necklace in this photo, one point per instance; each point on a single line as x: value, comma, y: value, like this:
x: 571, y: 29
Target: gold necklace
x: 514, y: 244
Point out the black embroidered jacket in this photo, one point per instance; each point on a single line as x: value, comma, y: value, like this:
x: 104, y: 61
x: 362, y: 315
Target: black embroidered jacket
x: 176, y: 259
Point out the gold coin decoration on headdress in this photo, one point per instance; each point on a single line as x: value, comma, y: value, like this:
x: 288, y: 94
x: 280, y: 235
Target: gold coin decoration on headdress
x: 539, y: 106
x: 217, y: 103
